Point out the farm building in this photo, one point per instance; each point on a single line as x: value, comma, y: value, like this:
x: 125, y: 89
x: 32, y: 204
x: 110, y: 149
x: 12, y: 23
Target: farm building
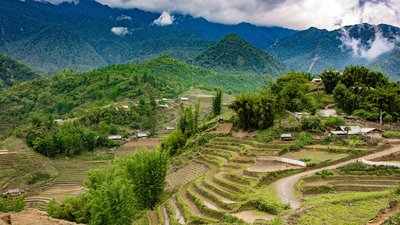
x: 286, y: 137
x: 141, y: 135
x: 14, y: 192
x: 183, y: 99
x: 316, y: 80
x: 372, y: 133
x: 115, y: 137
x: 163, y: 106
x: 170, y: 128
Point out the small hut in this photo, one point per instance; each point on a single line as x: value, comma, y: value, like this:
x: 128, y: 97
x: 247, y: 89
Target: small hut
x: 286, y: 137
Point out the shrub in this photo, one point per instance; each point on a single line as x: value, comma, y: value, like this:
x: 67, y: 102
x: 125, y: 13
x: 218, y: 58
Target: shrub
x: 325, y: 173
x: 38, y: 176
x: 368, y: 115
x: 174, y: 142
x: 312, y: 123
x: 334, y: 122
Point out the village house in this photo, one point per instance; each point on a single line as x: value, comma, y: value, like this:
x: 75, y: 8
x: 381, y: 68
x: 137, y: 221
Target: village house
x: 141, y: 135
x: 371, y: 133
x: 316, y: 80
x: 115, y: 137
x: 286, y: 137
x: 183, y: 99
x: 163, y: 106
x: 170, y: 128
x: 14, y: 192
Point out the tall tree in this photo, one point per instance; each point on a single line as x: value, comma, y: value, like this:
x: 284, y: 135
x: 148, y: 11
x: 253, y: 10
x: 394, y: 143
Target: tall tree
x: 217, y: 103
x: 147, y: 171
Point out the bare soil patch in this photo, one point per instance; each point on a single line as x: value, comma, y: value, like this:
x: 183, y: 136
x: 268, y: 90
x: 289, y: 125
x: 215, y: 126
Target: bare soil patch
x: 252, y: 215
x: 223, y: 128
x: 131, y: 146
x: 30, y: 217
x: 262, y: 166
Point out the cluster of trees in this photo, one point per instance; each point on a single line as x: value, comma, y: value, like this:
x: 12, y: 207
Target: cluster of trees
x: 119, y: 193
x: 143, y: 116
x: 255, y: 111
x: 69, y: 138
x: 290, y: 92
x: 361, y: 92
x: 188, y: 126
x: 291, y: 89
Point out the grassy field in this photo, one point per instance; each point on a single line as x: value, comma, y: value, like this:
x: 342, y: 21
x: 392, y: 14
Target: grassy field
x: 315, y: 156
x: 347, y: 209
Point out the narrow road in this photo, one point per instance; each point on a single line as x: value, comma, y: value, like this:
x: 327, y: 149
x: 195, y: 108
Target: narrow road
x: 285, y: 187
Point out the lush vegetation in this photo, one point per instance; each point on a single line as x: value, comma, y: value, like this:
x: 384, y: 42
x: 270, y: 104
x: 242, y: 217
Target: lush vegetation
x: 13, y: 72
x: 12, y: 204
x: 90, y: 96
x: 217, y: 103
x: 119, y: 193
x: 254, y: 111
x: 364, y: 93
x: 234, y: 54
x: 315, y: 50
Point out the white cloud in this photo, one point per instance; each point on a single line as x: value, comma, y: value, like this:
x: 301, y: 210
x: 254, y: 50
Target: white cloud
x: 376, y: 46
x: 165, y: 19
x: 57, y: 2
x: 123, y: 17
x: 120, y: 31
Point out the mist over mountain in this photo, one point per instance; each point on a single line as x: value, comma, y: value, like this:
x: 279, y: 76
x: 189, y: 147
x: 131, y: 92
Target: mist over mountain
x: 315, y: 50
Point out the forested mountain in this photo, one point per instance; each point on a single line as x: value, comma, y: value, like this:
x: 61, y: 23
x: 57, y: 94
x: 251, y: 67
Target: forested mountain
x: 40, y: 34
x: 236, y: 55
x: 13, y: 72
x: 314, y: 50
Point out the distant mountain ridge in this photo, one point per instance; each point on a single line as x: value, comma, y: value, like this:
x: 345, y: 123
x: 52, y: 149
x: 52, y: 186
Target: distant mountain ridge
x: 106, y: 35
x: 233, y: 54
x: 315, y: 50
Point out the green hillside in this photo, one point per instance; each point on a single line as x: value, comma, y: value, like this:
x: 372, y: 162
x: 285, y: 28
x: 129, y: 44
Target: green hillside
x: 71, y: 95
x: 234, y: 54
x: 47, y: 49
x: 13, y: 72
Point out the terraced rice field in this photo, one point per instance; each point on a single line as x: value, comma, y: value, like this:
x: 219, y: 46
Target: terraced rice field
x: 69, y: 183
x: 315, y: 156
x: 20, y: 164
x: 224, y: 190
x: 348, y: 183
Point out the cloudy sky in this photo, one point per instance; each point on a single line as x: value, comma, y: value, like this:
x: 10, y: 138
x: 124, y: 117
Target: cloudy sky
x: 297, y: 14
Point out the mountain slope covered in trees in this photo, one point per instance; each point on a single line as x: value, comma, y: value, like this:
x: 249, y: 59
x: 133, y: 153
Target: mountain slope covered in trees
x: 13, y: 72
x: 236, y: 55
x: 314, y: 50
x: 103, y: 35
x: 72, y: 95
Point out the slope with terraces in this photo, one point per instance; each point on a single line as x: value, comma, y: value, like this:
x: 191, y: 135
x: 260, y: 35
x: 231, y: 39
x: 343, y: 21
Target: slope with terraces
x: 228, y: 191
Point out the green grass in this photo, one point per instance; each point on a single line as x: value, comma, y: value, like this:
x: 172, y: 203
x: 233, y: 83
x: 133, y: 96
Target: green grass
x: 349, y: 208
x: 315, y: 156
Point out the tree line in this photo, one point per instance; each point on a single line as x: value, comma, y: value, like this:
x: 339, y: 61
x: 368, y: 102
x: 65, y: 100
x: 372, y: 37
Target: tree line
x: 118, y: 194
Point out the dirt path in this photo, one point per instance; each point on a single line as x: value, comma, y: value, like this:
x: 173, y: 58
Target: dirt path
x: 178, y: 214
x: 285, y: 188
x: 152, y: 217
x: 385, y: 215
